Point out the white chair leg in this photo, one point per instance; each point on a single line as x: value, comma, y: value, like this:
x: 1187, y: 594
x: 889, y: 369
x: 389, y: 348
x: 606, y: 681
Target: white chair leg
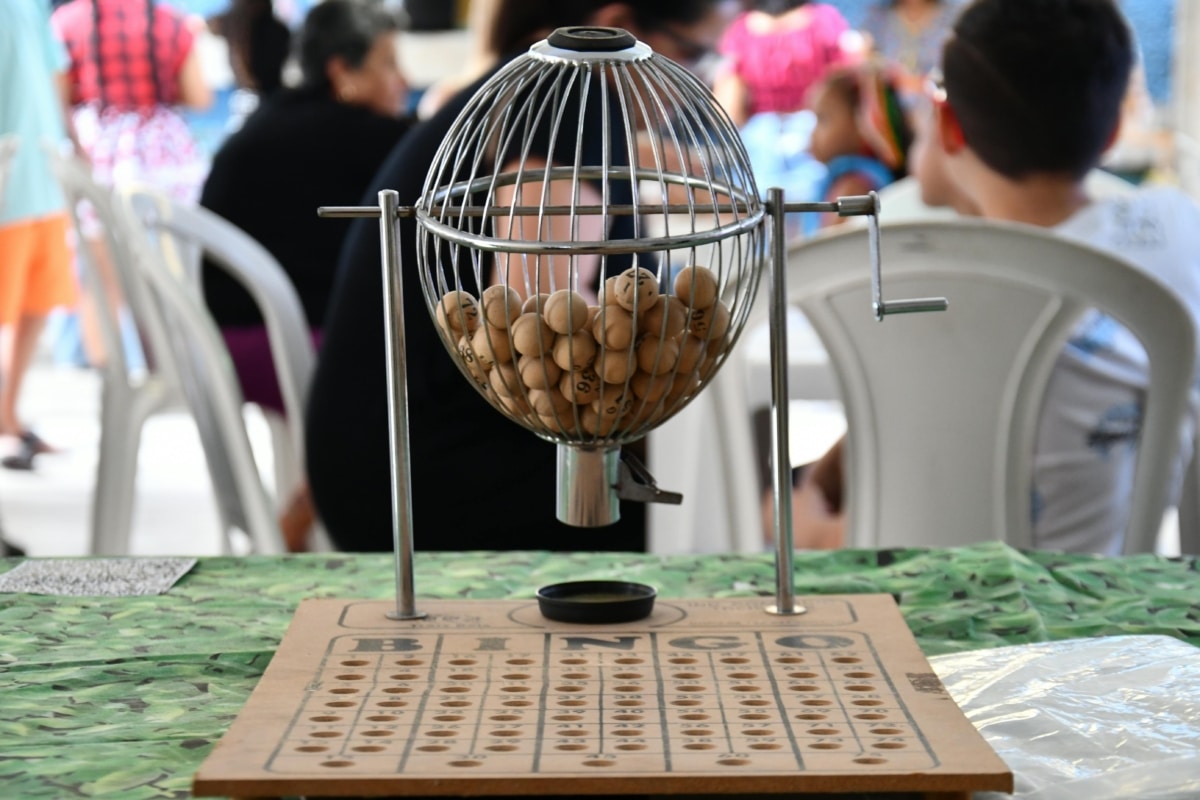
x: 230, y: 510
x: 1189, y: 506
x: 123, y: 414
x: 116, y: 477
x: 287, y: 471
x: 241, y: 500
x: 319, y: 541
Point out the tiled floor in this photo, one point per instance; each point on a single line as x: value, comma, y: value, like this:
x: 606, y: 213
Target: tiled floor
x: 47, y: 511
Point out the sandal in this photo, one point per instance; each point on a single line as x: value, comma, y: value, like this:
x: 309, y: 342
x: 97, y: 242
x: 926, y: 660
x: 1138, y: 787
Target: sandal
x: 29, y: 444
x: 21, y: 460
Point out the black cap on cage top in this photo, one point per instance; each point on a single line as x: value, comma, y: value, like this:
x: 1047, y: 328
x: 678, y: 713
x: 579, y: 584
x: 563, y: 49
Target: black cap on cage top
x: 591, y: 39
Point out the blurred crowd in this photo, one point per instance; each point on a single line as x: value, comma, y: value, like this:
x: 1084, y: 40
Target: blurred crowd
x: 323, y: 115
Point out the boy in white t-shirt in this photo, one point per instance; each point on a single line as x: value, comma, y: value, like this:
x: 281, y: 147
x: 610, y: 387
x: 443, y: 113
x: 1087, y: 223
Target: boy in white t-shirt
x: 1032, y: 98
x: 1091, y: 418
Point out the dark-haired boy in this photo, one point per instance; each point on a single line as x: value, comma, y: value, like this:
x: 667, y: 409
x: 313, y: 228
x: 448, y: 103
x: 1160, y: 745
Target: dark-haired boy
x: 1032, y: 98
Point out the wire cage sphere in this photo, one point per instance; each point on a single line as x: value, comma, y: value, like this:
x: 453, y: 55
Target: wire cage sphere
x: 589, y: 237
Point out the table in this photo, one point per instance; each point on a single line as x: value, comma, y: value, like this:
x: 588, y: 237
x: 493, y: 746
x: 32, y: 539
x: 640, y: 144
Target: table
x: 124, y: 697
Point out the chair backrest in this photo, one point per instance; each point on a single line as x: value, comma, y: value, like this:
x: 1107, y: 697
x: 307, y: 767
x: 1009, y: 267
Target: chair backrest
x: 942, y: 408
x: 182, y: 233
x: 212, y: 390
x: 121, y: 244
x: 901, y: 201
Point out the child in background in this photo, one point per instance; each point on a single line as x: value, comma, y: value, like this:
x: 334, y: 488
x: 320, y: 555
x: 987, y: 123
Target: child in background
x: 775, y: 52
x: 1032, y: 98
x: 862, y: 134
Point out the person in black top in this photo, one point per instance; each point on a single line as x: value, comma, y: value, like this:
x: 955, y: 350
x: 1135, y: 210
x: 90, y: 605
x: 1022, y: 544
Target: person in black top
x: 318, y: 144
x: 479, y: 481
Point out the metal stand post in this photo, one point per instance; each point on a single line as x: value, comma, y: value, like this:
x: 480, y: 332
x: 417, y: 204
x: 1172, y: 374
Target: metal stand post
x: 781, y: 466
x: 389, y: 212
x: 399, y: 453
x: 781, y: 462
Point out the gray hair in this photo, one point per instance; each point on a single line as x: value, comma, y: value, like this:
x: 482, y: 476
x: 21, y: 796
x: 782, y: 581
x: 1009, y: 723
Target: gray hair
x: 345, y: 29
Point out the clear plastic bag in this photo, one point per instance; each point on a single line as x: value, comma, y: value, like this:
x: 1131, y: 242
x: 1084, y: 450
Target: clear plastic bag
x: 1087, y: 719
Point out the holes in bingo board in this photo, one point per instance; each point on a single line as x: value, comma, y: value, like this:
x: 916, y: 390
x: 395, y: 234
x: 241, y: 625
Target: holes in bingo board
x: 603, y: 710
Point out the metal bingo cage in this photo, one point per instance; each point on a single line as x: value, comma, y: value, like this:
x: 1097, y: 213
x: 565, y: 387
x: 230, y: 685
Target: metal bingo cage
x: 589, y: 242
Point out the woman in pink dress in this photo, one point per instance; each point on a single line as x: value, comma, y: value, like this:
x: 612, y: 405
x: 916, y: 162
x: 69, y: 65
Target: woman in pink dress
x: 774, y: 53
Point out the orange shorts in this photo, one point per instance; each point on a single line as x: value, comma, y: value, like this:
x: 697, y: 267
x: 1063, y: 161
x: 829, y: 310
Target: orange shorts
x: 35, y: 268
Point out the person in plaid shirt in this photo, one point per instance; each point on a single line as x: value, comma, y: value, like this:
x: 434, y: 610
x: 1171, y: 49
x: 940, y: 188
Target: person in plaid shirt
x: 132, y: 65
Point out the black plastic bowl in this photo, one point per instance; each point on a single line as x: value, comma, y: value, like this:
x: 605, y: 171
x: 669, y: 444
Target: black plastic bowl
x: 596, y: 602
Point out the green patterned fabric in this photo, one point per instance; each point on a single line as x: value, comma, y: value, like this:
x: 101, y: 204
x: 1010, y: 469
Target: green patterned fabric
x: 124, y: 697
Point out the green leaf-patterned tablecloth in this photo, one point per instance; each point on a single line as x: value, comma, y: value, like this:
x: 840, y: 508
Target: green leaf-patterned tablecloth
x: 124, y: 697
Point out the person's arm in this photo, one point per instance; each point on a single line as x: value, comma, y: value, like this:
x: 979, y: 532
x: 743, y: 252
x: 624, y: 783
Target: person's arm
x: 59, y: 64
x: 62, y: 82
x: 535, y: 275
x: 731, y: 92
x: 194, y: 91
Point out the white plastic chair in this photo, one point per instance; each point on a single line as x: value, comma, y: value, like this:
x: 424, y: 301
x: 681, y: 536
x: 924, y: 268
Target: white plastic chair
x: 901, y: 202
x: 186, y: 365
x: 128, y: 397
x: 181, y: 235
x: 1189, y: 505
x: 942, y: 408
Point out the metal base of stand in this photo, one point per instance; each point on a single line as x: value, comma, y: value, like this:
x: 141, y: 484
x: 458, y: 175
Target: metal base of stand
x: 401, y: 616
x: 795, y: 612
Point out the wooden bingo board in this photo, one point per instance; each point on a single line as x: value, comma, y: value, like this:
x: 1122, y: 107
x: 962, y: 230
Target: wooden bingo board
x: 704, y: 696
